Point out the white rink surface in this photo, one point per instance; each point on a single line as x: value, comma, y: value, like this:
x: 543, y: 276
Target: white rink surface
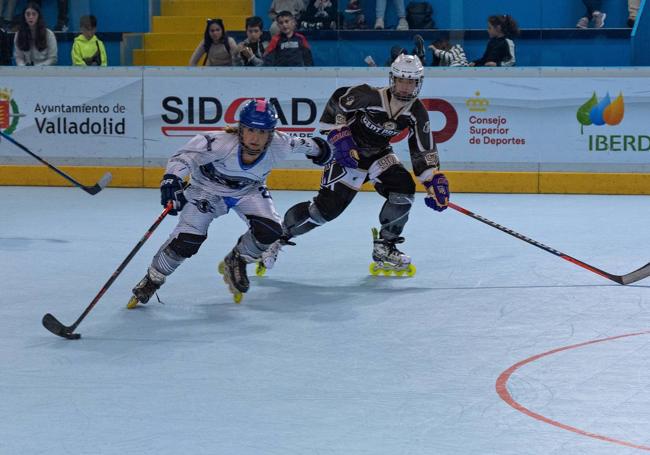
x: 320, y: 358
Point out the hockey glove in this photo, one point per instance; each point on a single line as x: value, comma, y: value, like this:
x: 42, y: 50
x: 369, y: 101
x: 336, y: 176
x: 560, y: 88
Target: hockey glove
x: 438, y: 192
x: 171, y: 189
x: 345, y: 149
x: 325, y: 155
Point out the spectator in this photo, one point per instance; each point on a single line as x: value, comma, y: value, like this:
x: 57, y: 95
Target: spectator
x: 62, y: 18
x: 219, y: 49
x: 594, y: 13
x: 320, y: 15
x: 353, y: 17
x: 251, y: 50
x: 88, y: 50
x: 6, y: 18
x: 34, y: 43
x: 446, y: 54
x: 288, y: 48
x: 380, y: 11
x: 5, y: 48
x: 398, y: 50
x: 295, y: 7
x: 633, y: 9
x: 500, y: 49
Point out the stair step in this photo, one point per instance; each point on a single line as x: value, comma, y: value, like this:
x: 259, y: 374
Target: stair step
x: 207, y: 8
x: 171, y: 41
x: 193, y: 24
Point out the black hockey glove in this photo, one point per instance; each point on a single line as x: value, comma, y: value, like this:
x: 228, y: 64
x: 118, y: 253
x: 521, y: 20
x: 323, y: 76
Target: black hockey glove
x: 171, y: 189
x: 325, y: 155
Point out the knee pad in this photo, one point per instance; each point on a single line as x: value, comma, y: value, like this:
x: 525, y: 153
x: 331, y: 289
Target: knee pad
x: 186, y: 245
x: 264, y: 230
x: 401, y: 198
x: 302, y: 218
x: 329, y: 204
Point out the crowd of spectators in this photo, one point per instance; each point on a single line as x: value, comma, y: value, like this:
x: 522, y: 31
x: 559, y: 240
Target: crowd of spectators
x: 35, y: 44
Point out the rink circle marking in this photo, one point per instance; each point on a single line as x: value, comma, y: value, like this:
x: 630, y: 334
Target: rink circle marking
x: 502, y: 390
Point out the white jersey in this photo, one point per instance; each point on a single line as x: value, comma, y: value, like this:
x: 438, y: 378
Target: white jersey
x: 214, y: 162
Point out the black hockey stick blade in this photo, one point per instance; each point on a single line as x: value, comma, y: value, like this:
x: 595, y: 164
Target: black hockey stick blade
x: 53, y: 325
x: 103, y: 183
x: 638, y: 274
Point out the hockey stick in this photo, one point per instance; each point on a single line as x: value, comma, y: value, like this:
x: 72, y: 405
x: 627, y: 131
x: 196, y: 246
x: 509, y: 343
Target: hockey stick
x: 632, y: 277
x: 53, y: 325
x: 96, y: 188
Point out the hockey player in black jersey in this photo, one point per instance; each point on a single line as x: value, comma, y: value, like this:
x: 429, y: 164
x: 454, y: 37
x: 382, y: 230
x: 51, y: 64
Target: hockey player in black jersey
x: 360, y: 121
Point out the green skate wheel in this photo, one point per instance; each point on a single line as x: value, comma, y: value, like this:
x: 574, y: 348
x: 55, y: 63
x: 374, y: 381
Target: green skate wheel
x: 411, y: 270
x: 260, y: 270
x: 221, y: 267
x: 386, y: 272
x: 374, y: 269
x: 133, y: 302
x: 237, y: 297
x: 400, y: 272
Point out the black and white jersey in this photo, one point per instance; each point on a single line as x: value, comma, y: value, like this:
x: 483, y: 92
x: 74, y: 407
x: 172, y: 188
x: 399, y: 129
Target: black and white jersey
x: 367, y: 112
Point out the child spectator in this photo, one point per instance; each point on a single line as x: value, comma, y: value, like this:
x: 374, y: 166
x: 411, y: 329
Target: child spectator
x: 34, y: 43
x: 295, y: 7
x: 500, y: 49
x: 6, y: 18
x: 251, y: 50
x: 594, y: 13
x: 320, y: 15
x: 288, y: 48
x: 219, y: 49
x: 380, y: 11
x: 88, y: 50
x: 444, y: 54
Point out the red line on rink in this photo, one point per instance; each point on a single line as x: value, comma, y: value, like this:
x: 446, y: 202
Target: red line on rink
x: 502, y: 390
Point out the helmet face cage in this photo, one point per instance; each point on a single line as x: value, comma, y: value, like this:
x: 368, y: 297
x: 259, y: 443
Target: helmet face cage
x: 406, y: 67
x: 260, y: 115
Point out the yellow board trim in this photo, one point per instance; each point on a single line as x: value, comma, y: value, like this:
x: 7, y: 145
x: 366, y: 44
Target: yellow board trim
x: 309, y: 179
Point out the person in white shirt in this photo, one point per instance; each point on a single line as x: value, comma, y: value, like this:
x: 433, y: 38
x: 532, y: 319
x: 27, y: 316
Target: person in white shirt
x: 34, y: 43
x: 227, y: 170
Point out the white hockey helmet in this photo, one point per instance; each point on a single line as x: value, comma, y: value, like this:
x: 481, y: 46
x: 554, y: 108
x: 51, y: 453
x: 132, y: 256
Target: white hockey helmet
x: 406, y: 67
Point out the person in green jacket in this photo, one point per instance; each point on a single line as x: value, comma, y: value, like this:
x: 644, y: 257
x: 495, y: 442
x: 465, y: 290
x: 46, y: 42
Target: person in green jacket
x: 87, y: 49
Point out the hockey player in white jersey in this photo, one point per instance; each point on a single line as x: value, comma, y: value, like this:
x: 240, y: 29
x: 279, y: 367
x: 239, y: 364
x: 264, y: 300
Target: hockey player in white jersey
x: 227, y: 171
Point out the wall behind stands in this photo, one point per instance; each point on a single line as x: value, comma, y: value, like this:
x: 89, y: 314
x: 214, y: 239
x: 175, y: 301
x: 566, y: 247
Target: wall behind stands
x: 471, y: 14
x: 501, y: 129
x: 112, y: 15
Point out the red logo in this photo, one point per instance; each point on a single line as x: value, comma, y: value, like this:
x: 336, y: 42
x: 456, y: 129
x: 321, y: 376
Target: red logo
x: 451, y: 120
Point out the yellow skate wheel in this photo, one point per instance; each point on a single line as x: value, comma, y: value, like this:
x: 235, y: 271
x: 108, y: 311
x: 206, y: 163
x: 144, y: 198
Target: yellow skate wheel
x: 221, y: 267
x: 386, y: 272
x: 400, y: 272
x: 411, y: 270
x: 133, y: 302
x: 237, y: 297
x: 260, y: 270
x: 374, y: 269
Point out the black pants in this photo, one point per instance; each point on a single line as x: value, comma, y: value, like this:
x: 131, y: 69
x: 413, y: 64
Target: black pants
x: 337, y: 192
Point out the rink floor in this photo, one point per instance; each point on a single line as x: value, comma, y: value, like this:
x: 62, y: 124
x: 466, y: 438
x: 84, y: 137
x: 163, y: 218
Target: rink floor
x: 494, y: 347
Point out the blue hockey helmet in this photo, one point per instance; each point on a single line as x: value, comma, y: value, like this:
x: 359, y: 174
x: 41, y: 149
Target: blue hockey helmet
x: 259, y: 114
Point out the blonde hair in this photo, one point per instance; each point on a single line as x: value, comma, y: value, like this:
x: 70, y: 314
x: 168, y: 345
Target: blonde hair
x: 231, y: 129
